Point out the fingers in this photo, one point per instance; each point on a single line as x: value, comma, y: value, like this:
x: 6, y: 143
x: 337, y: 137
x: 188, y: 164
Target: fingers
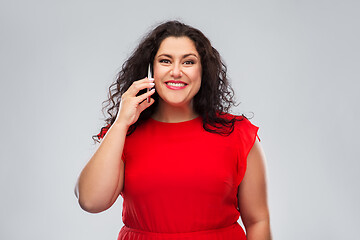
x: 145, y: 104
x: 139, y: 85
x: 131, y: 105
x: 143, y: 96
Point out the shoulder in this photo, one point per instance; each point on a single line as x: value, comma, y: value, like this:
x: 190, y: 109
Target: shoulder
x: 243, y: 127
x: 240, y: 120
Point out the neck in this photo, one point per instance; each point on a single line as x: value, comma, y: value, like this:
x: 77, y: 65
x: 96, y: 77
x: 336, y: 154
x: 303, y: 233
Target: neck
x: 173, y: 114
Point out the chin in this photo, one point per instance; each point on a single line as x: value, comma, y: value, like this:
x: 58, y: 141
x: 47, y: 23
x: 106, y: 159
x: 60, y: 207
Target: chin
x: 177, y: 102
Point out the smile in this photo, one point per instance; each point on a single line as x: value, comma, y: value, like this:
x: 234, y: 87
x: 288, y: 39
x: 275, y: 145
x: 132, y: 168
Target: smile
x: 175, y: 85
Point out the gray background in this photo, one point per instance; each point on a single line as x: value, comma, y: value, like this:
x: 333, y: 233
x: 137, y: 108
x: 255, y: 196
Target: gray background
x: 295, y: 64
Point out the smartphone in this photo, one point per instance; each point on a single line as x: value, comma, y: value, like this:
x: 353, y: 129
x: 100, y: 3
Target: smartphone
x: 149, y: 77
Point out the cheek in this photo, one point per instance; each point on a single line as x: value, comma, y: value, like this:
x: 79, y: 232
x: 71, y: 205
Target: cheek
x: 159, y: 73
x: 196, y: 76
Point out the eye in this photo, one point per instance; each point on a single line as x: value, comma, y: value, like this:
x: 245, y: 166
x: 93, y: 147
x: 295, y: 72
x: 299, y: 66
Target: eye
x: 166, y: 61
x: 189, y: 62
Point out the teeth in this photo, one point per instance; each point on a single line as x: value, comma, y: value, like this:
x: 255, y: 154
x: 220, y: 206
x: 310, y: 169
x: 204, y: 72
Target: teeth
x: 176, y: 84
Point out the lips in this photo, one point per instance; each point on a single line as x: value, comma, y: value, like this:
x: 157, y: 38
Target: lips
x: 176, y: 82
x: 175, y: 85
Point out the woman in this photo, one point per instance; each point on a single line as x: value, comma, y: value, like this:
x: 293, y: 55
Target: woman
x: 178, y: 160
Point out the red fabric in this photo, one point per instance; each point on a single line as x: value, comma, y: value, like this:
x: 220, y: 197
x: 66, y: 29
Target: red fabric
x: 103, y: 131
x: 181, y: 181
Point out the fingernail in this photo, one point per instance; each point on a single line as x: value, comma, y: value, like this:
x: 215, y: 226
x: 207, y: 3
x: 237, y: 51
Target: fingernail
x: 152, y: 84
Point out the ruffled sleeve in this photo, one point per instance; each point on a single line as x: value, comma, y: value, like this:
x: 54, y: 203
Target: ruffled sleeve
x: 247, y: 134
x: 102, y: 134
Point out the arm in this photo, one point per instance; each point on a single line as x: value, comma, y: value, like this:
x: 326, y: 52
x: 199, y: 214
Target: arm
x: 252, y: 196
x: 101, y: 180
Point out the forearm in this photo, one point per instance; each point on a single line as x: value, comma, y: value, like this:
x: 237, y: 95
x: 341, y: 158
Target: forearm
x: 259, y: 231
x: 99, y: 179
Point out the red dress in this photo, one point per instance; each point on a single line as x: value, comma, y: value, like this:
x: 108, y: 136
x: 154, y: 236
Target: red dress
x: 181, y: 181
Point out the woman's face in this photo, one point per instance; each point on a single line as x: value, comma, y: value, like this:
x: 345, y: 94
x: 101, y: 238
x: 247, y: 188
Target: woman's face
x: 177, y: 71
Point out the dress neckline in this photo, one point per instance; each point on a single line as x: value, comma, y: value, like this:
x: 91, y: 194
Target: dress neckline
x: 176, y: 123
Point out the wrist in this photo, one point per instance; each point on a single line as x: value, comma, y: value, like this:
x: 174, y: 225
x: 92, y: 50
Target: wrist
x: 121, y: 125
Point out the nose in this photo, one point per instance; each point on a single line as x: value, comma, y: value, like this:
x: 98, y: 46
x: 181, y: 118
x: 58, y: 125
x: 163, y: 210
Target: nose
x: 176, y: 71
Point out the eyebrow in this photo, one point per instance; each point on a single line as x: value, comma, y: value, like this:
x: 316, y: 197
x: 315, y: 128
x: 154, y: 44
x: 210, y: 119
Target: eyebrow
x: 184, y: 56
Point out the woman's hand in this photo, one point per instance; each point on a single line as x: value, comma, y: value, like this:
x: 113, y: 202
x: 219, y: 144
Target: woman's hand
x: 131, y: 105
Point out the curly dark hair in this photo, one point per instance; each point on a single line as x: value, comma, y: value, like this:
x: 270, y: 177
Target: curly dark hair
x: 212, y: 102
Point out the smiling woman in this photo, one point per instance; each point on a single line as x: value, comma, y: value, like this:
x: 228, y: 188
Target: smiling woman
x: 177, y: 69
x: 185, y: 166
